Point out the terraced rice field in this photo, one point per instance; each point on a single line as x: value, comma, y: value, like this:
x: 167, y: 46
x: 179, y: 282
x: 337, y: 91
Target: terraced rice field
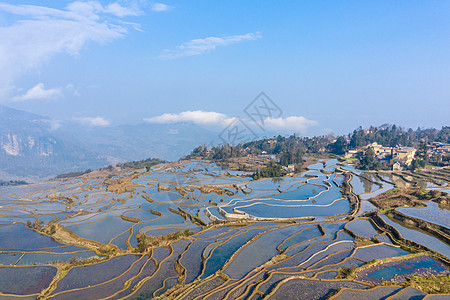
x: 196, y: 231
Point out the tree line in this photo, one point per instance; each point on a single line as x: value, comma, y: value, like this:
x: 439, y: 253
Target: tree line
x: 291, y: 149
x: 389, y: 136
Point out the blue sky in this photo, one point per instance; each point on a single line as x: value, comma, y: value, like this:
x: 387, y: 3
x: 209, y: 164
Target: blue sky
x: 329, y: 65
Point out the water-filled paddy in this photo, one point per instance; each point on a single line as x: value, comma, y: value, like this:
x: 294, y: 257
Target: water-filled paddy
x: 432, y: 213
x: 330, y: 229
x: 165, y: 271
x: 259, y: 251
x: 421, y: 238
x: 25, y: 280
x: 296, y: 211
x: 366, y: 207
x: 301, y: 193
x: 47, y: 258
x: 374, y: 293
x: 95, y: 274
x: 347, y: 263
x: 106, y: 288
x: 311, y: 289
x: 109, y: 228
x: 409, y: 293
x: 362, y: 228
x: 220, y: 254
x: 384, y: 188
x: 361, y: 185
x: 17, y: 236
x: 302, y: 236
x: 192, y: 261
x: 315, y: 247
x: 333, y: 248
x: 399, y: 270
x: 312, y: 251
x: 146, y: 271
x: 333, y: 258
x: 377, y: 252
x: 327, y: 275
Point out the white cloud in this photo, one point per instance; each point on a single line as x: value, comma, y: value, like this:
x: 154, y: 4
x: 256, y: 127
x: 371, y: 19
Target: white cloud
x: 122, y: 11
x: 38, y: 33
x: 159, y: 7
x: 197, y: 117
x: 200, y: 46
x: 93, y: 121
x: 39, y: 92
x: 291, y: 124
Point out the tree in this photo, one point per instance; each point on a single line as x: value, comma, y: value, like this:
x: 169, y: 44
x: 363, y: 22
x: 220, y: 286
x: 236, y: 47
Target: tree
x: 422, y: 151
x: 294, y: 156
x: 436, y: 158
x: 272, y: 170
x: 418, y: 163
x: 339, y: 147
x: 369, y: 161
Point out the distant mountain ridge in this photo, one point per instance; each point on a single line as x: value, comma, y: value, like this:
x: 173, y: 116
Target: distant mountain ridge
x: 34, y: 147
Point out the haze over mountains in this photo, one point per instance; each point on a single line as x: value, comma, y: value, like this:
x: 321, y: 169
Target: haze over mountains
x: 35, y: 147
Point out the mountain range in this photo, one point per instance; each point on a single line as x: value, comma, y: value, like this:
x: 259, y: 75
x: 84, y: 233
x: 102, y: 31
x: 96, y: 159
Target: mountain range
x: 35, y: 147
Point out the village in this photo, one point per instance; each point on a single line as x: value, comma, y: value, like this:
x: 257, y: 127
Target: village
x: 401, y: 158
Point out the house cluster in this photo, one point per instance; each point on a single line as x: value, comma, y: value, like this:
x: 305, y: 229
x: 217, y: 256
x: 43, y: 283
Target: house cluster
x: 289, y: 168
x: 437, y: 147
x: 398, y: 157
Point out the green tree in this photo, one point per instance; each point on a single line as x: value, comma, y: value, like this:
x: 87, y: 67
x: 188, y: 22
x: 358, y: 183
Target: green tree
x: 339, y: 147
x: 422, y: 151
x: 436, y: 158
x: 418, y: 163
x: 369, y: 161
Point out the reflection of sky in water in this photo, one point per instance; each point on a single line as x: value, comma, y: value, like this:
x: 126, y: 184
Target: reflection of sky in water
x: 101, y: 220
x: 384, y: 188
x: 349, y: 168
x: 421, y: 238
x: 104, y: 218
x: 366, y: 206
x: 407, y: 268
x: 266, y: 211
x: 432, y: 213
x: 102, y: 231
x: 19, y: 237
x: 361, y: 185
x: 362, y: 228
